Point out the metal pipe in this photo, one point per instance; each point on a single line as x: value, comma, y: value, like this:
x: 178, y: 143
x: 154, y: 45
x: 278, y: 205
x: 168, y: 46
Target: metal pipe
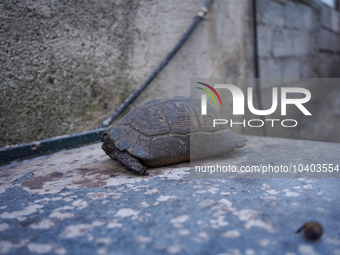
x: 33, y: 149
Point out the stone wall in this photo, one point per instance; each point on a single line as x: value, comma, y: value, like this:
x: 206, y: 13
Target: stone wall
x: 301, y: 39
x: 329, y: 42
x: 298, y: 39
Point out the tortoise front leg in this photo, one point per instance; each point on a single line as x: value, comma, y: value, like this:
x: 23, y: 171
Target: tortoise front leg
x: 129, y: 161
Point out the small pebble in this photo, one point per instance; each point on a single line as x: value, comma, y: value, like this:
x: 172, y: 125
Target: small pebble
x: 313, y: 230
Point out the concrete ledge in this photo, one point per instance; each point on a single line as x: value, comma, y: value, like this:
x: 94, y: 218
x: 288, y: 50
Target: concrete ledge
x: 81, y: 202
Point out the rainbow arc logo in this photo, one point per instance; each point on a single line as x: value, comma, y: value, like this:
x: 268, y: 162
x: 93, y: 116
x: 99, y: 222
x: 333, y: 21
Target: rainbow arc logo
x: 204, y: 96
x: 209, y: 93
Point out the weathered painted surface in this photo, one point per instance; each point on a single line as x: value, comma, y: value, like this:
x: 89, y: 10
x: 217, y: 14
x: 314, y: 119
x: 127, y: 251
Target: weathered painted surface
x: 81, y: 202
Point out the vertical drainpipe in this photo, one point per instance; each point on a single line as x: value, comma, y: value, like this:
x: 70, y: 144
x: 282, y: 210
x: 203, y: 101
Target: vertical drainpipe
x: 256, y: 62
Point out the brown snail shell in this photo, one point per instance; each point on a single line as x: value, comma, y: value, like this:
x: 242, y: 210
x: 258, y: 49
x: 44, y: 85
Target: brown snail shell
x: 313, y: 230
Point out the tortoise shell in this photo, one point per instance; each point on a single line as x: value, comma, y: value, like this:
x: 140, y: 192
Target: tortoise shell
x: 170, y: 130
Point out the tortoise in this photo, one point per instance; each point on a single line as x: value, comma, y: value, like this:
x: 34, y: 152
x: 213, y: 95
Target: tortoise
x: 167, y: 131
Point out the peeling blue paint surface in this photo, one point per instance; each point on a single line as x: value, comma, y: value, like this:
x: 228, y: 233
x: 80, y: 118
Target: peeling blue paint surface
x: 81, y: 202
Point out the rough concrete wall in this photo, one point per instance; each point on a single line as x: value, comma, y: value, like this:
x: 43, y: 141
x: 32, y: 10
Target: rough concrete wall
x: 59, y: 60
x: 66, y: 65
x: 301, y: 39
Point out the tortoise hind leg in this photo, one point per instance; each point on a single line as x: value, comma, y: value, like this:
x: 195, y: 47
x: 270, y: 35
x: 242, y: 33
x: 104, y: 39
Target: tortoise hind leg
x: 129, y: 161
x: 126, y: 159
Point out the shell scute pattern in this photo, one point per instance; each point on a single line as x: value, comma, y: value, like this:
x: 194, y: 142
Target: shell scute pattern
x: 166, y: 131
